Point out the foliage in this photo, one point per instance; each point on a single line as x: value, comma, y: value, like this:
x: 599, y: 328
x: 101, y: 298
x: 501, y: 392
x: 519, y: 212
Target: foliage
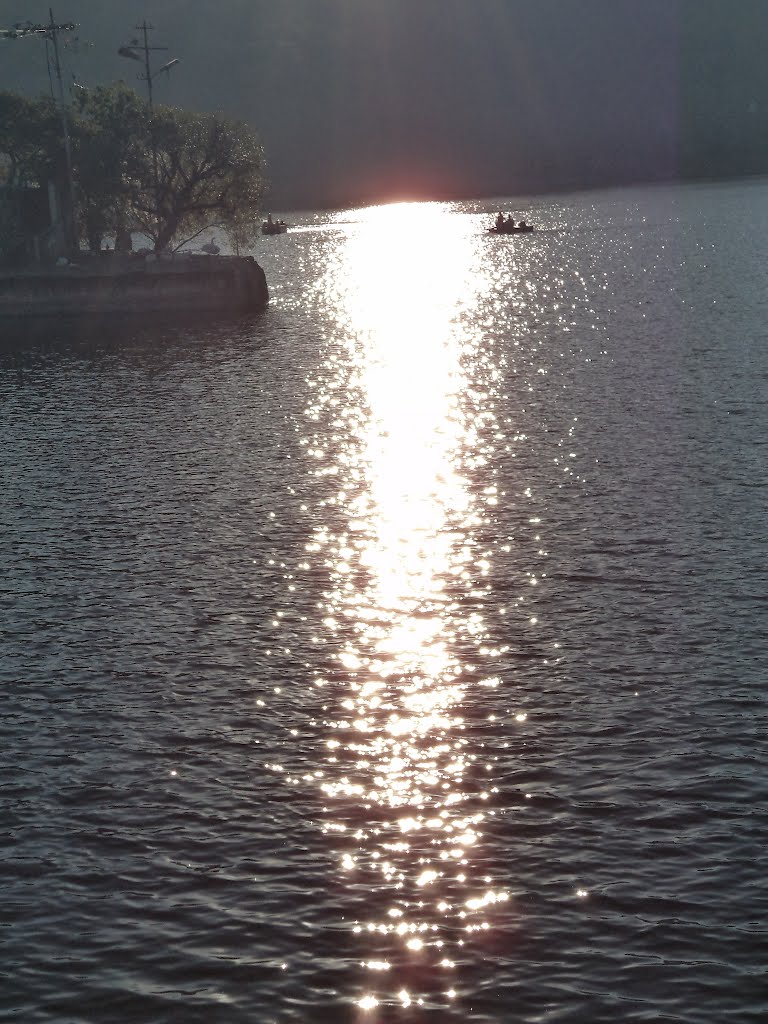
x: 10, y: 230
x: 209, y: 175
x: 172, y: 175
x: 108, y: 131
x: 30, y: 140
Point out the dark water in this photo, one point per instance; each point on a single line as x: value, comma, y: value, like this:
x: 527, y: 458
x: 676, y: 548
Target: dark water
x: 399, y: 655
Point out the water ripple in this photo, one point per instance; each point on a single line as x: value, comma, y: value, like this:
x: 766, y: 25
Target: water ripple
x: 433, y: 599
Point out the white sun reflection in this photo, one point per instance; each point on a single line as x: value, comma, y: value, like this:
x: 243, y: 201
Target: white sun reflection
x: 403, y: 557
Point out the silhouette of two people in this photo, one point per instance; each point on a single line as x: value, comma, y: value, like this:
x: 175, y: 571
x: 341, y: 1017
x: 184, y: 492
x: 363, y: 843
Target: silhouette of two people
x: 507, y: 224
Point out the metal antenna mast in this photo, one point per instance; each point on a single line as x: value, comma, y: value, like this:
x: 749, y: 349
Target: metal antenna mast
x: 131, y: 51
x: 69, y: 226
x: 50, y: 33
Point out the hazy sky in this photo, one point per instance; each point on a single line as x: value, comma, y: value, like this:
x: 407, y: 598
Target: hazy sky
x: 363, y: 99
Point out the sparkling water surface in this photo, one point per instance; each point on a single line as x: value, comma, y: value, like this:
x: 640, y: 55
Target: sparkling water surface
x: 399, y: 654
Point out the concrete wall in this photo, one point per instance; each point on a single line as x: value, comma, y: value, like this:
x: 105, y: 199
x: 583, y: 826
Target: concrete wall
x: 224, y: 284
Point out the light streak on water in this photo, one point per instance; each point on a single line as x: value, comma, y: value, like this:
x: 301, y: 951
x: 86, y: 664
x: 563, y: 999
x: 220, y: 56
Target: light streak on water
x: 402, y: 785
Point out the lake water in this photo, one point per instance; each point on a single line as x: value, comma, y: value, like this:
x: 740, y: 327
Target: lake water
x: 400, y: 654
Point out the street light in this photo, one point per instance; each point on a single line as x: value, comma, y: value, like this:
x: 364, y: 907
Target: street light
x: 132, y: 52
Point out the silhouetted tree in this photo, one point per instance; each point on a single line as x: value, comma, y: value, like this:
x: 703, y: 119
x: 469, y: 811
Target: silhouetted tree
x: 172, y: 175
x: 209, y: 175
x: 109, y: 141
x: 30, y: 140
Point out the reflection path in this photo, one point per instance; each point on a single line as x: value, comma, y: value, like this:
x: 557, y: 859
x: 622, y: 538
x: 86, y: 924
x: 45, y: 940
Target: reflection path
x: 403, y: 789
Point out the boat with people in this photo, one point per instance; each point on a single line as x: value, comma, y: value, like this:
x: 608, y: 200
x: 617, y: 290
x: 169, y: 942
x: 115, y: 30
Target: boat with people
x: 273, y: 227
x: 516, y: 230
x: 506, y: 226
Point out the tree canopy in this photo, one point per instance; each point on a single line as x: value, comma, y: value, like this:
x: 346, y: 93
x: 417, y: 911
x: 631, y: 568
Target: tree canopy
x: 208, y: 175
x: 30, y: 140
x: 170, y: 174
x: 109, y: 134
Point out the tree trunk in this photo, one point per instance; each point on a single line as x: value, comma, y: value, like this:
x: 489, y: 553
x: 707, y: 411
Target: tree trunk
x: 123, y: 240
x: 165, y: 232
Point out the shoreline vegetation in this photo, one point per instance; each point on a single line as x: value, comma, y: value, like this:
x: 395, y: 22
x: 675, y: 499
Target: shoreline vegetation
x: 165, y: 173
x: 123, y: 170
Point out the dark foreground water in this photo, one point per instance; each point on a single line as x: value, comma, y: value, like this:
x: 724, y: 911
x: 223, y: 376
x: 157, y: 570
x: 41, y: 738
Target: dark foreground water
x: 399, y: 655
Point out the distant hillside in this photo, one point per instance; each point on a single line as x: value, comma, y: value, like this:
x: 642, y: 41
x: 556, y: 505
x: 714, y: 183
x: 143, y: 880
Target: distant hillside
x: 361, y: 100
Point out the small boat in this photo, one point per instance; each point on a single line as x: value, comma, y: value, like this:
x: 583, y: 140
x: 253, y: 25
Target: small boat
x: 275, y: 227
x: 523, y: 229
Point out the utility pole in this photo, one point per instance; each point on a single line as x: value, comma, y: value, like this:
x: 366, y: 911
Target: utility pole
x: 69, y: 215
x: 50, y: 32
x: 131, y: 51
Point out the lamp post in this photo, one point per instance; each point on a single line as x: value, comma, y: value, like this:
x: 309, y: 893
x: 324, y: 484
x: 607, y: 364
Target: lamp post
x: 131, y: 51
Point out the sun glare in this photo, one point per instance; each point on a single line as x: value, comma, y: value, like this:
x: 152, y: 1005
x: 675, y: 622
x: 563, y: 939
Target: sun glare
x: 401, y: 564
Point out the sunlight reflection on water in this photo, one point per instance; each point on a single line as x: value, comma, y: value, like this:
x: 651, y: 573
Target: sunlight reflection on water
x: 399, y: 786
x: 186, y: 505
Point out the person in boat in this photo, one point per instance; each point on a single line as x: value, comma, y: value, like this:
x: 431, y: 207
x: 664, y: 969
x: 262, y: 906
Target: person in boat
x: 509, y: 223
x: 522, y: 225
x: 499, y: 221
x: 270, y: 222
